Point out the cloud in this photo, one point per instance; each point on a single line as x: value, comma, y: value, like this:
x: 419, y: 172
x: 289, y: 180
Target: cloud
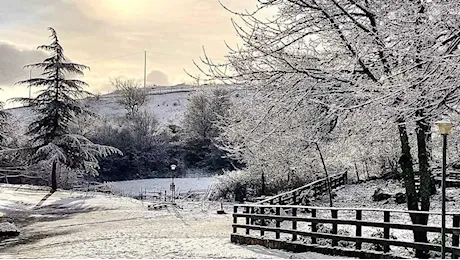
x: 157, y: 77
x: 94, y: 32
x: 12, y: 61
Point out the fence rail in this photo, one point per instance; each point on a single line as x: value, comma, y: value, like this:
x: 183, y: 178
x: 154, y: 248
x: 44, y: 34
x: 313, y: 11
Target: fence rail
x: 294, y: 225
x: 296, y: 196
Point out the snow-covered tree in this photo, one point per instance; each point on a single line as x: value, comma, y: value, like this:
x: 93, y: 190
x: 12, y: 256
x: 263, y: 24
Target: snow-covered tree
x: 202, y: 114
x: 206, y: 108
x: 334, y: 58
x: 57, y: 104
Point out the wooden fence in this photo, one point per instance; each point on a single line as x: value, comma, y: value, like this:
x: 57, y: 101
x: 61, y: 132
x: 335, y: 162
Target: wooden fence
x: 357, y: 232
x: 296, y: 196
x: 452, y: 178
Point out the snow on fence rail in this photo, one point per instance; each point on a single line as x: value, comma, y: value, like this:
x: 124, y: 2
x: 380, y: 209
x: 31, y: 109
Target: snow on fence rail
x: 288, y: 227
x: 295, y: 196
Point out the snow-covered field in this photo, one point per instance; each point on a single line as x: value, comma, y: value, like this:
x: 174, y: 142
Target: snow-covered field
x: 168, y: 107
x: 79, y: 225
x: 166, y: 103
x: 183, y: 185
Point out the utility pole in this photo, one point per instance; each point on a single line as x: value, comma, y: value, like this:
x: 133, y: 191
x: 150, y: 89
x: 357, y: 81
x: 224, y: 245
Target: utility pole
x: 30, y: 86
x: 145, y: 68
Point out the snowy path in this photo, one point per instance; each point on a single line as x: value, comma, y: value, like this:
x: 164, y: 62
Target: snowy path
x: 101, y: 226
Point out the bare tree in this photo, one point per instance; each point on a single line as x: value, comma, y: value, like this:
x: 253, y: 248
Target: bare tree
x: 132, y: 95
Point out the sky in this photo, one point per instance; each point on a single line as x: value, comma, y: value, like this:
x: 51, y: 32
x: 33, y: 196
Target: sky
x: 110, y: 36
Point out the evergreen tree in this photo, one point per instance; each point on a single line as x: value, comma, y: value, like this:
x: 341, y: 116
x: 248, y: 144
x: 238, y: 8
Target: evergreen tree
x: 57, y: 105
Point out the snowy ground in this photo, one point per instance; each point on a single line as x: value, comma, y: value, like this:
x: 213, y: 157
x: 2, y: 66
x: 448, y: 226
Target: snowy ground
x: 183, y: 185
x: 360, y: 196
x: 79, y: 225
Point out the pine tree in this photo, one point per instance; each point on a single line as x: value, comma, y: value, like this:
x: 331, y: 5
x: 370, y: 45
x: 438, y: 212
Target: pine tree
x: 57, y: 105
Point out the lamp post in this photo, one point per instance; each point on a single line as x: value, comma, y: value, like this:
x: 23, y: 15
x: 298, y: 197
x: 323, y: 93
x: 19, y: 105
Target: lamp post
x: 172, y: 187
x: 445, y: 127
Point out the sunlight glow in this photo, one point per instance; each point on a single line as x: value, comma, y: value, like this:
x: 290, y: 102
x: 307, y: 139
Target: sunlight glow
x: 118, y: 9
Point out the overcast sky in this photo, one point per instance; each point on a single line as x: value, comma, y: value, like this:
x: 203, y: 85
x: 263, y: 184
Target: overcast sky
x: 93, y: 32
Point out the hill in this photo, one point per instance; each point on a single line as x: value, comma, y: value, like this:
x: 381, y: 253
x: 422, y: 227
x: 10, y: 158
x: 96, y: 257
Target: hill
x: 167, y: 103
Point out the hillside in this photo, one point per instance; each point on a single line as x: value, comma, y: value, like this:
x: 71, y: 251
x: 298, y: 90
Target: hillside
x: 167, y: 103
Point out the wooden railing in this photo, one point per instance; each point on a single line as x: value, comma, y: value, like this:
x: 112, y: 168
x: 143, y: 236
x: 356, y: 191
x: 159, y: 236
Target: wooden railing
x: 346, y: 229
x: 452, y: 178
x: 313, y: 189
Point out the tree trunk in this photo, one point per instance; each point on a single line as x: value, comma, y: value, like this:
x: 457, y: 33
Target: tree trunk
x: 329, y: 189
x: 53, y: 177
x: 263, y: 184
x: 411, y: 194
x: 367, y: 169
x: 357, y: 173
x: 422, y: 130
x: 407, y: 167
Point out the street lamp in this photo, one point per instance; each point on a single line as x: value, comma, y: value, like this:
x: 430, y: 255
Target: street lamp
x: 445, y: 127
x: 172, y: 187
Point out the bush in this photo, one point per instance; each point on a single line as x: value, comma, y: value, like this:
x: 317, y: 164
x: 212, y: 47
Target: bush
x: 145, y: 148
x: 231, y: 181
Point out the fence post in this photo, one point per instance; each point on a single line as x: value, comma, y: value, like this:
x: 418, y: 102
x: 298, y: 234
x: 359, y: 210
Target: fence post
x: 277, y: 223
x: 359, y: 216
x: 314, y: 228
x: 294, y: 198
x: 246, y: 210
x: 280, y: 200
x: 262, y: 221
x: 455, y: 238
x: 252, y: 213
x: 334, y: 227
x: 386, y: 230
x: 294, y: 224
x: 235, y: 219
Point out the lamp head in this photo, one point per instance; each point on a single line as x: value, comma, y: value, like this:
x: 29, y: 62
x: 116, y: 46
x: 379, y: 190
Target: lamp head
x: 173, y: 167
x: 444, y: 127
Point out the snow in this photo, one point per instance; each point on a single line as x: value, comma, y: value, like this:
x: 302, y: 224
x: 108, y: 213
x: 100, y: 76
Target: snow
x: 168, y: 108
x: 360, y: 196
x: 94, y: 225
x: 166, y: 103
x: 183, y: 185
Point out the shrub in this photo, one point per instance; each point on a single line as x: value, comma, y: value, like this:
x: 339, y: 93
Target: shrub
x: 231, y: 181
x: 145, y: 148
